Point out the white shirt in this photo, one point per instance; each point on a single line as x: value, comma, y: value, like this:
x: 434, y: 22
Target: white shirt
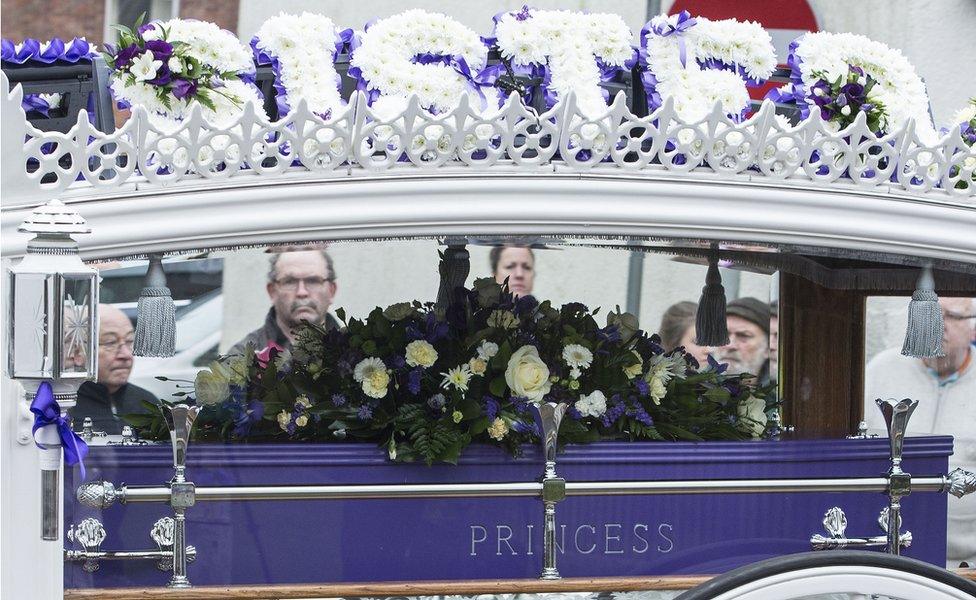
x: 946, y: 407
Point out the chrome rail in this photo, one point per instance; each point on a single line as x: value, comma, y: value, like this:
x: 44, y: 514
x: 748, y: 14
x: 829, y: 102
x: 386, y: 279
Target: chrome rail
x: 102, y: 494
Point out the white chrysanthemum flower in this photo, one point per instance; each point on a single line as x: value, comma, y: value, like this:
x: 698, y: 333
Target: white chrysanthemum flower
x: 365, y: 368
x: 459, y: 377
x: 577, y: 356
x: 592, y: 405
x: 498, y: 429
x: 420, y: 353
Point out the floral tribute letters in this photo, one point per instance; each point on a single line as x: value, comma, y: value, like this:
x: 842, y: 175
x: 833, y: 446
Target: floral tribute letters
x: 302, y: 51
x: 418, y: 53
x: 841, y: 74
x: 698, y: 62
x: 570, y: 51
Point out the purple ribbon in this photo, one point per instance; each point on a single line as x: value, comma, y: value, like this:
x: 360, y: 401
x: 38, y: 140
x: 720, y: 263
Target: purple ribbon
x: 666, y: 28
x: 55, y: 51
x: 36, y: 103
x: 47, y: 412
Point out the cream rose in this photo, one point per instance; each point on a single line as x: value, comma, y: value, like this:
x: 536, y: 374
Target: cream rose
x: 420, y: 353
x: 752, y: 416
x: 527, y: 376
x: 477, y: 366
x: 498, y: 429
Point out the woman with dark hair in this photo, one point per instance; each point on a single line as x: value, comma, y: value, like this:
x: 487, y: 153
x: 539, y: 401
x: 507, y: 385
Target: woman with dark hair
x: 678, y: 329
x: 517, y: 263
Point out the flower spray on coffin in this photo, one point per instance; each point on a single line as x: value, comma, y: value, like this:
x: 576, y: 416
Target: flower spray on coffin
x: 424, y: 383
x: 172, y: 67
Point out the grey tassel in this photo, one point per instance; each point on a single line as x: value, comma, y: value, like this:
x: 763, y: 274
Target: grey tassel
x: 156, y: 325
x: 923, y: 338
x: 454, y: 268
x: 710, y: 326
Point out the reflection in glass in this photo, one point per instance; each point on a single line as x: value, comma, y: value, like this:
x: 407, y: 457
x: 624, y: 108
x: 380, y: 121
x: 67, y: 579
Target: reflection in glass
x: 30, y: 299
x: 76, y: 344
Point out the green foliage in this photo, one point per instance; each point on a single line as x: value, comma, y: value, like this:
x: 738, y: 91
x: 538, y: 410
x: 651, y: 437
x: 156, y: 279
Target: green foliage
x: 360, y: 383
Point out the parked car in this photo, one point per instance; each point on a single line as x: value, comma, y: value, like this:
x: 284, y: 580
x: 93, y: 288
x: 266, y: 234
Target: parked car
x: 198, y: 331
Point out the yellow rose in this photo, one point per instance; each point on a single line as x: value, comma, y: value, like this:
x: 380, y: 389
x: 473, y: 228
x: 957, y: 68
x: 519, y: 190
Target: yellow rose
x: 498, y: 429
x: 420, y: 353
x: 527, y: 376
x: 211, y: 387
x: 478, y: 366
x: 635, y: 369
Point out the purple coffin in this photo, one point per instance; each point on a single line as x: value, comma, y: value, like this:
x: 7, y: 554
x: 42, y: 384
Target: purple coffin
x: 391, y: 540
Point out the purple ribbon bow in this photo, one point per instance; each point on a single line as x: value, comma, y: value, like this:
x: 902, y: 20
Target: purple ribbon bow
x: 47, y: 412
x: 666, y: 28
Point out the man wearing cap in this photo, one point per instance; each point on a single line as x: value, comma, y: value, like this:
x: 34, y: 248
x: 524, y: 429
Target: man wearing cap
x: 748, y: 347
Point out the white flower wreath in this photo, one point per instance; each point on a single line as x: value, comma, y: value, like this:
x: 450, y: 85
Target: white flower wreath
x: 212, y: 46
x: 568, y: 44
x: 899, y: 87
x: 698, y: 62
x: 429, y: 55
x: 303, y: 49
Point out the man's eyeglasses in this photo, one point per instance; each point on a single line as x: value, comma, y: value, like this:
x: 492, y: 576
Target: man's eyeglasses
x: 113, y: 346
x: 949, y: 315
x: 312, y: 284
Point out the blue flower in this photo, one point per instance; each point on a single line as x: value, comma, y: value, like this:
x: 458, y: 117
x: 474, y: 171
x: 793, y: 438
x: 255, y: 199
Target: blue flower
x: 437, y: 402
x: 413, y: 380
x: 246, y: 416
x: 642, y: 387
x: 641, y: 415
x: 716, y: 366
x: 365, y: 412
x: 398, y: 362
x: 338, y: 399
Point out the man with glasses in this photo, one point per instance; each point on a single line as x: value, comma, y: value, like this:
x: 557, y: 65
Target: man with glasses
x: 301, y: 285
x: 945, y: 388
x: 107, y: 399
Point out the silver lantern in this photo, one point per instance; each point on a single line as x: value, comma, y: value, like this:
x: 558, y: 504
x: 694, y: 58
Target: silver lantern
x: 52, y: 334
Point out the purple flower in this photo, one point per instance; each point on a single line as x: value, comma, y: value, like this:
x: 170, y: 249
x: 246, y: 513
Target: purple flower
x: 398, y: 362
x: 642, y: 387
x: 717, y: 366
x: 161, y: 49
x: 523, y: 14
x: 365, y: 412
x: 574, y: 414
x: 338, y: 399
x: 413, y: 380
x: 125, y: 55
x: 144, y: 28
x: 491, y: 408
x: 521, y: 405
x: 437, y: 402
x: 246, y: 416
x: 854, y: 92
x: 163, y: 76
x: 641, y: 415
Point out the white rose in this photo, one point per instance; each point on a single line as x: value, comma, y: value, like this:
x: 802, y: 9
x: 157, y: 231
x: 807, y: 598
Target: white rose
x: 592, y: 405
x: 420, y: 353
x: 487, y: 350
x: 527, y: 376
x: 752, y: 416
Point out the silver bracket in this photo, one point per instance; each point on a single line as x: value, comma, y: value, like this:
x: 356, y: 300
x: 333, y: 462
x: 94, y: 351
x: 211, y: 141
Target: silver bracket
x: 162, y: 533
x: 90, y: 533
x: 835, y: 523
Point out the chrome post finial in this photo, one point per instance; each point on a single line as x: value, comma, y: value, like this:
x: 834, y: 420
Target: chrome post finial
x: 549, y: 415
x: 961, y: 482
x: 896, y: 415
x: 179, y: 419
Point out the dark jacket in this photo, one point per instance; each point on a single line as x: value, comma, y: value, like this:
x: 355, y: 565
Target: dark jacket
x: 106, y: 410
x: 270, y: 332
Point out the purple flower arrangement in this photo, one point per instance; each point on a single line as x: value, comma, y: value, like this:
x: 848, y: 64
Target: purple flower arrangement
x: 842, y: 98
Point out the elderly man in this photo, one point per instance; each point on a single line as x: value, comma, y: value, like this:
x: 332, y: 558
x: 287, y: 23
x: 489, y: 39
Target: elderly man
x: 111, y: 396
x: 946, y: 392
x: 748, y: 347
x: 301, y: 285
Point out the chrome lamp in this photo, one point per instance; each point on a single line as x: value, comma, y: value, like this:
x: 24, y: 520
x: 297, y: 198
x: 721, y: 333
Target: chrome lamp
x: 52, y: 330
